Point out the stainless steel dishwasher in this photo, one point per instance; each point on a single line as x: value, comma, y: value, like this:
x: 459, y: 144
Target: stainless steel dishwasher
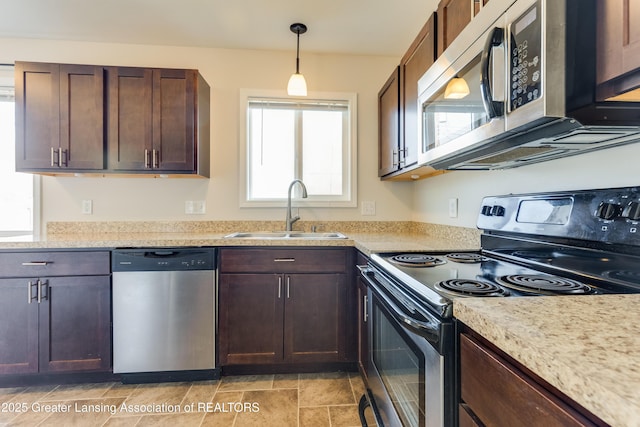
x: 164, y: 314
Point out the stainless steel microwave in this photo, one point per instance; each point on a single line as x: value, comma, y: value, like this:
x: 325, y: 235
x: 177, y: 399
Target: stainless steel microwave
x: 518, y: 86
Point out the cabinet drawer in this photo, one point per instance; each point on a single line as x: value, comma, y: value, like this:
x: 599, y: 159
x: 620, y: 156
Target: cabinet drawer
x: 40, y: 264
x: 502, y: 395
x: 258, y: 260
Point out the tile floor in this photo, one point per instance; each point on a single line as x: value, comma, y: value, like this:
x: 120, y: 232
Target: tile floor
x: 328, y: 399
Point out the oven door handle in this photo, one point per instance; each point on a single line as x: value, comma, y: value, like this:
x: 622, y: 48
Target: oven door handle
x: 427, y: 328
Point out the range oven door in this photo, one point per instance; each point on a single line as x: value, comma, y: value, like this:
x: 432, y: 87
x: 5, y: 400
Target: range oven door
x: 410, y: 369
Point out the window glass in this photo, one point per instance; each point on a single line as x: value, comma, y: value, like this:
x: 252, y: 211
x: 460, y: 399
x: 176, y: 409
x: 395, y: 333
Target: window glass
x: 16, y: 189
x: 308, y: 139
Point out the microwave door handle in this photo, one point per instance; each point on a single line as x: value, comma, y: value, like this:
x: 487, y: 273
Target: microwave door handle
x: 493, y: 108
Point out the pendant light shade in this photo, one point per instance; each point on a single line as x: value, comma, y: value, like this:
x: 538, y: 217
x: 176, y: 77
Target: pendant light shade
x: 297, y: 84
x: 457, y: 88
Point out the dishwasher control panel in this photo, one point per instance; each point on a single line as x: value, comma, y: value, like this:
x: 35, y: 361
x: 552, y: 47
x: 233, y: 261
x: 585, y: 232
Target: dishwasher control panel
x: 163, y: 259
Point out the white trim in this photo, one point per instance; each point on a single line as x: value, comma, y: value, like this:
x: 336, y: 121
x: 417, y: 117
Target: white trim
x: 351, y: 199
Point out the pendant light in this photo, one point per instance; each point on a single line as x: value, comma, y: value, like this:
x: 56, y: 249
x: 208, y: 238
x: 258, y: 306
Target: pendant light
x: 297, y: 85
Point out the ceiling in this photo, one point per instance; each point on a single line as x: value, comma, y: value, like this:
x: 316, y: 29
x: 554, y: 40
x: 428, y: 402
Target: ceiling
x: 367, y: 27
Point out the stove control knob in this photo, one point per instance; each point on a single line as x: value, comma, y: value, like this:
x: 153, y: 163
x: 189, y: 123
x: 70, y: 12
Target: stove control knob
x: 497, y: 210
x: 607, y: 210
x: 486, y: 210
x: 632, y: 211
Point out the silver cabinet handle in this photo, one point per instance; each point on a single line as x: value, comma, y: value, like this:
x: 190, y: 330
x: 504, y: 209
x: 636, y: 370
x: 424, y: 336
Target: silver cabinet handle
x: 40, y: 292
x: 146, y: 159
x: 35, y: 263
x: 288, y: 286
x: 279, y: 287
x: 156, y: 158
x: 62, y: 157
x: 53, y: 156
x: 29, y: 293
x: 365, y: 311
x: 284, y: 260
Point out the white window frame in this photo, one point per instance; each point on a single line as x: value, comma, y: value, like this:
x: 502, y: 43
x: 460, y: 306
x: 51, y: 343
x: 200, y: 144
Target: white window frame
x: 349, y: 199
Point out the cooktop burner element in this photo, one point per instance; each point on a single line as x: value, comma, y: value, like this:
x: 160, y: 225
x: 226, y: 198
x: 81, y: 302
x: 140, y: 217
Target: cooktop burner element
x: 544, y: 284
x: 417, y: 260
x: 463, y: 257
x: 471, y: 288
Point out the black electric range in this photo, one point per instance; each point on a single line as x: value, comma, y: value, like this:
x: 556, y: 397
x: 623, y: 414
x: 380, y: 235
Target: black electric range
x: 553, y: 244
x: 564, y: 243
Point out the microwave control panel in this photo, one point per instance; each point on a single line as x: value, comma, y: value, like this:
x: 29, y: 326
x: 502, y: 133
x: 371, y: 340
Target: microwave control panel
x: 525, y: 58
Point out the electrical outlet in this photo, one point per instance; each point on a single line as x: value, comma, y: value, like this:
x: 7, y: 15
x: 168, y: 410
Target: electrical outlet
x: 196, y: 207
x: 368, y: 208
x: 87, y: 207
x: 453, y: 208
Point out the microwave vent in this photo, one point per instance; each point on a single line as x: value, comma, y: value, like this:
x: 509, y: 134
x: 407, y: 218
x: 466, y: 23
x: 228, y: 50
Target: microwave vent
x: 521, y: 153
x: 588, y: 137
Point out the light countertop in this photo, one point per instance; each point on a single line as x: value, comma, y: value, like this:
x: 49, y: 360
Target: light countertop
x: 588, y: 347
x: 367, y: 237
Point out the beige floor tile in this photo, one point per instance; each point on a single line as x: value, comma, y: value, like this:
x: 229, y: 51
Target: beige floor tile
x: 28, y: 419
x: 285, y: 381
x: 326, y: 389
x: 122, y: 421
x: 171, y: 420
x: 218, y: 414
x: 83, y: 413
x: 120, y: 390
x: 246, y: 382
x: 77, y: 391
x: 357, y: 385
x: 314, y: 416
x: 168, y: 394
x: 344, y: 416
x: 277, y: 408
x: 201, y: 392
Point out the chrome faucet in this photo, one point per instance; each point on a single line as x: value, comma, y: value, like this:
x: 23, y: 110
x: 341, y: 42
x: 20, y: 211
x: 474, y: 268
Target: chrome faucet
x: 290, y: 220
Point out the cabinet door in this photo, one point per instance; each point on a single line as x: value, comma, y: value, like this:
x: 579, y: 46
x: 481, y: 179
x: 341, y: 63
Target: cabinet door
x: 250, y: 318
x: 314, y: 325
x: 18, y: 326
x: 174, y: 132
x: 75, y: 324
x: 417, y: 60
x: 82, y: 117
x: 453, y: 16
x: 130, y: 118
x: 389, y: 125
x: 618, y: 47
x: 37, y: 116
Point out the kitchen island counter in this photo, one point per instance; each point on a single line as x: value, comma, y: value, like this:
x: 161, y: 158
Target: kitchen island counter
x: 585, y: 346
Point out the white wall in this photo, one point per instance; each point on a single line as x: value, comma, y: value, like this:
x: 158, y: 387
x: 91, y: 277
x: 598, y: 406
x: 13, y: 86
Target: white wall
x: 226, y: 71
x: 613, y: 167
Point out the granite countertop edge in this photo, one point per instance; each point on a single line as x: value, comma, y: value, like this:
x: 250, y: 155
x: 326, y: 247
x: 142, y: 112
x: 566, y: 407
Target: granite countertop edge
x: 567, y: 341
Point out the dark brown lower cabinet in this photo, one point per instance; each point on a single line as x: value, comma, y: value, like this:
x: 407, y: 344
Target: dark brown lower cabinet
x: 498, y: 392
x: 58, y: 323
x: 282, y: 318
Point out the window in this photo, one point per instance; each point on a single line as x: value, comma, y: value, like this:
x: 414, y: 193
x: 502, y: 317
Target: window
x: 18, y: 215
x: 308, y: 139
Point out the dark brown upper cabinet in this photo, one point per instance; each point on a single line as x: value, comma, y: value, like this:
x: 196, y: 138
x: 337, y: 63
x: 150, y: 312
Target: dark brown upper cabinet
x: 398, y: 113
x: 389, y: 125
x: 618, y: 48
x: 59, y: 117
x: 94, y: 119
x: 420, y: 56
x: 158, y: 121
x: 453, y: 16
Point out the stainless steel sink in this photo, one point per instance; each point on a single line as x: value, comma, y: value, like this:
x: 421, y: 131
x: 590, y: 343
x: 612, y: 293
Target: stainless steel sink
x: 284, y: 235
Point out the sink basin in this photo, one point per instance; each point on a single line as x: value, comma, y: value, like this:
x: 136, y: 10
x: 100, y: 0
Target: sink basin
x: 284, y: 235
